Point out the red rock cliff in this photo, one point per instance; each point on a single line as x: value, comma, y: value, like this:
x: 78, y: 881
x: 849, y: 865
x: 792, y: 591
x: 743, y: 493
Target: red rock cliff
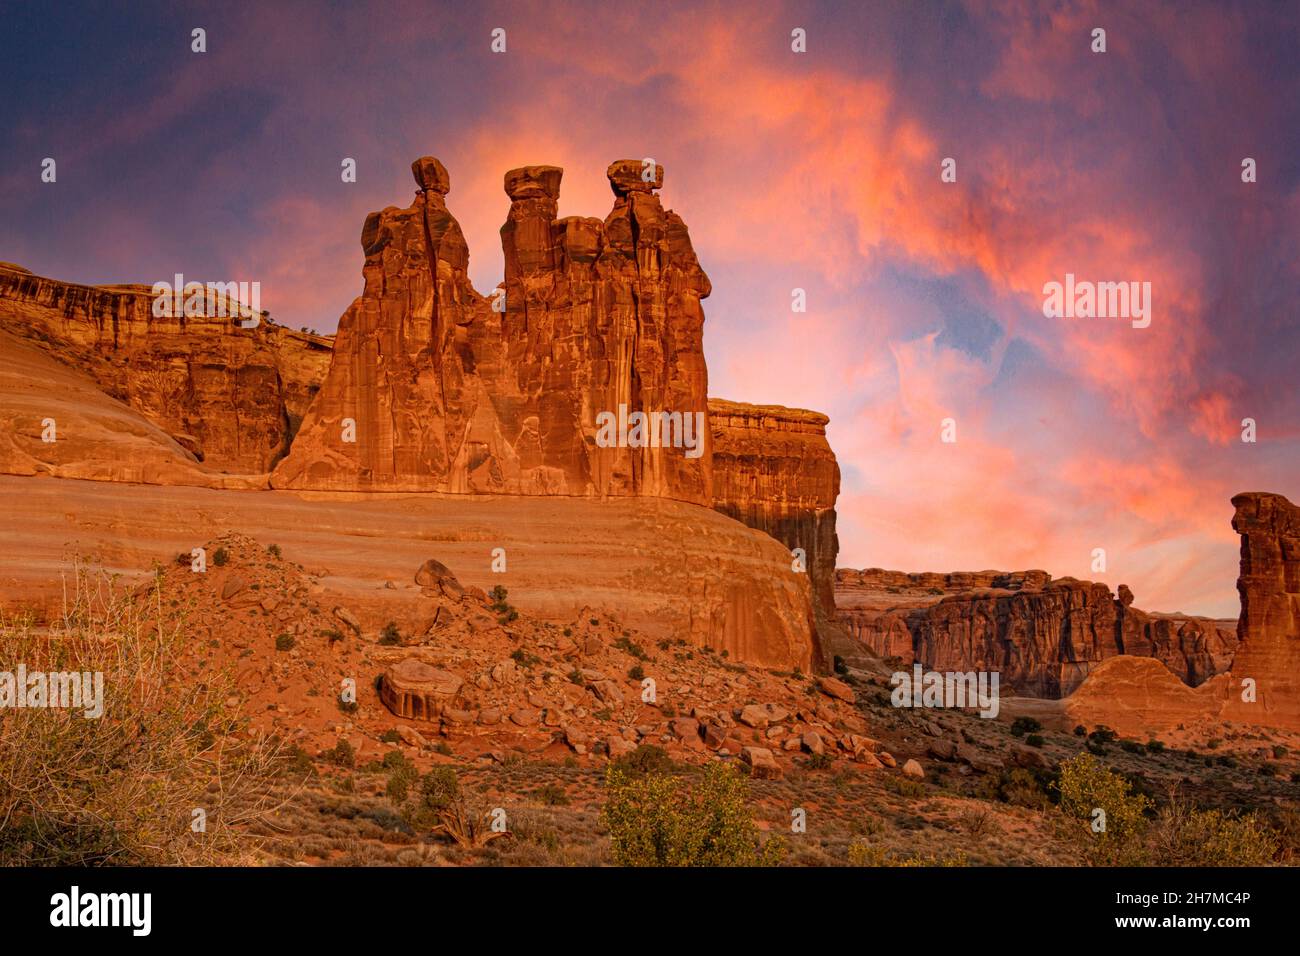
x: 774, y: 470
x: 231, y: 395
x: 1269, y: 627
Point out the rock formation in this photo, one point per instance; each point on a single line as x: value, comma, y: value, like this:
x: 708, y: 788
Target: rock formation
x: 450, y: 391
x: 1044, y: 636
x: 230, y: 395
x: 1269, y: 627
x: 774, y: 470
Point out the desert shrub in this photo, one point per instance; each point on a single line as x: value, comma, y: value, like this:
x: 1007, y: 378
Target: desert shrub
x: 1155, y: 746
x: 646, y: 758
x: 1080, y: 731
x: 390, y: 635
x: 441, y: 807
x: 863, y: 853
x: 839, y: 666
x: 551, y: 795
x: 1131, y: 746
x: 390, y: 736
x: 273, y: 550
x: 402, y: 774
x: 626, y: 643
x: 220, y: 557
x: 284, y: 642
x: 1279, y: 751
x: 905, y: 786
x: 523, y: 658
x: 655, y: 820
x: 1182, y: 835
x: 1025, y: 725
x: 636, y: 672
x: 342, y: 754
x: 820, y: 761
x: 1034, y: 740
x: 120, y: 788
x: 1085, y: 786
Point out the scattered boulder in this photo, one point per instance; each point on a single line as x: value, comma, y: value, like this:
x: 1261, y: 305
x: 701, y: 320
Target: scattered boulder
x: 837, y: 689
x: 913, y: 769
x: 436, y: 576
x: 762, y: 765
x: 418, y: 691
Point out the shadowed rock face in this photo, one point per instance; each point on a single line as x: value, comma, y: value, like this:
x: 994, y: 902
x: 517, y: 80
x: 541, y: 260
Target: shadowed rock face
x: 451, y: 391
x: 230, y: 395
x: 1043, y: 636
x: 1269, y: 627
x: 774, y: 470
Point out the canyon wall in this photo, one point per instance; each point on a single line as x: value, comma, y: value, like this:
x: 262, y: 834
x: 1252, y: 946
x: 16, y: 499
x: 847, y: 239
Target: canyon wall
x: 229, y: 395
x: 1044, y: 636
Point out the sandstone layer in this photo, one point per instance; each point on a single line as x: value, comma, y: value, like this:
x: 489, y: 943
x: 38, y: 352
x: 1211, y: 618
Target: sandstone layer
x: 233, y: 396
x: 1044, y: 636
x: 451, y: 391
x: 673, y: 571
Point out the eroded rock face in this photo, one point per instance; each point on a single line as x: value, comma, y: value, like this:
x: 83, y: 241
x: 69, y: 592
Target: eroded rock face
x: 774, y: 470
x: 232, y: 396
x: 1269, y: 585
x: 448, y: 390
x: 1043, y: 636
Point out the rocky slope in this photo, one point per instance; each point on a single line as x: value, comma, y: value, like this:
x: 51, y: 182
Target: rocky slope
x: 467, y: 672
x: 230, y: 395
x: 1044, y: 636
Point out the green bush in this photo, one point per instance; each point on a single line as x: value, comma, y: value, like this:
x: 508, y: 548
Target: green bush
x: 284, y: 642
x: 1085, y: 785
x: 220, y: 557
x: 342, y: 755
x: 1025, y: 725
x: 646, y: 758
x: 390, y: 635
x: 1034, y: 740
x: 655, y: 820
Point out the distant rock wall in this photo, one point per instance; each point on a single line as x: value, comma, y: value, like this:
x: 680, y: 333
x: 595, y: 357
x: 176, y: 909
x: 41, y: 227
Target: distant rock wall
x: 1044, y: 636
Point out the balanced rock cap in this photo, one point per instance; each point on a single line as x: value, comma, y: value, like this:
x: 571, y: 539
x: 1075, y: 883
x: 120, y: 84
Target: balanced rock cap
x: 534, y: 182
x: 627, y: 176
x: 431, y: 175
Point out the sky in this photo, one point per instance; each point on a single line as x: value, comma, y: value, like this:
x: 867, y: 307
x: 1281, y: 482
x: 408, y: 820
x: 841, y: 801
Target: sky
x: 816, y: 170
